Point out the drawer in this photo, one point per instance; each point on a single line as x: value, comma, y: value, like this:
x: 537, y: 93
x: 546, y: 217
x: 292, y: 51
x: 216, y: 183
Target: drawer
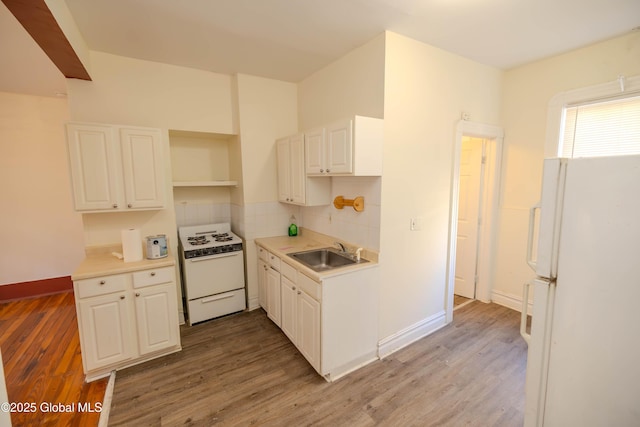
x: 153, y: 277
x: 310, y: 286
x: 288, y: 272
x: 274, y: 261
x: 100, y: 285
x: 216, y: 305
x: 263, y: 254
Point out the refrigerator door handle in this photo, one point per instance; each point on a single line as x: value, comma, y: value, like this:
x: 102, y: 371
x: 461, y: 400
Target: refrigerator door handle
x: 523, y: 314
x: 532, y: 220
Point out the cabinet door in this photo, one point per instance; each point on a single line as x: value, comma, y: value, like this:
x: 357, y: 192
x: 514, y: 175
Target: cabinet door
x: 95, y: 167
x: 289, y: 308
x: 284, y: 170
x: 273, y: 295
x: 143, y: 168
x: 297, y: 175
x: 339, y: 147
x: 262, y: 283
x: 105, y: 325
x: 156, y: 314
x: 314, y: 152
x: 308, y: 328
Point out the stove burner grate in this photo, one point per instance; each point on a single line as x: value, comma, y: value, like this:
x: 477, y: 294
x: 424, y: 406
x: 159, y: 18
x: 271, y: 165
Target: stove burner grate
x: 198, y: 240
x: 222, y: 237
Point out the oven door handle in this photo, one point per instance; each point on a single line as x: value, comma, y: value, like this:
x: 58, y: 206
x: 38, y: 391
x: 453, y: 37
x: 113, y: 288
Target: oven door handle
x: 206, y: 258
x: 217, y: 297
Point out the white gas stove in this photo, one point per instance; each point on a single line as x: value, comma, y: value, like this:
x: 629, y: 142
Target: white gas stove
x: 205, y: 240
x: 212, y: 264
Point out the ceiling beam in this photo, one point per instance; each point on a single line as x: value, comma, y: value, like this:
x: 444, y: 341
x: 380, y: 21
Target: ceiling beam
x: 37, y: 19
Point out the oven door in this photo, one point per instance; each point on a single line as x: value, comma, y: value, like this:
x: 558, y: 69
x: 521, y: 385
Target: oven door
x: 213, y: 274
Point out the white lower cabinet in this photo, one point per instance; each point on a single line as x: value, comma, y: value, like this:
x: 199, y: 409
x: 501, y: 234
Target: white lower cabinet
x: 125, y: 319
x: 308, y: 328
x: 332, y: 322
x: 273, y: 295
x: 154, y: 316
x: 106, y: 330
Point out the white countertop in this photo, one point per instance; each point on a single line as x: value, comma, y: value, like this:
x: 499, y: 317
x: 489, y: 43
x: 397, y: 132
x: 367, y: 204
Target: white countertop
x: 100, y: 262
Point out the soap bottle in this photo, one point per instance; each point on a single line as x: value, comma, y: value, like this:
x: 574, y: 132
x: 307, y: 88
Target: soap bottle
x: 293, y: 228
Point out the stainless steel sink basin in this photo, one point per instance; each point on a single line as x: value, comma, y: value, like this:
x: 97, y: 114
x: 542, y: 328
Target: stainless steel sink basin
x: 324, y: 259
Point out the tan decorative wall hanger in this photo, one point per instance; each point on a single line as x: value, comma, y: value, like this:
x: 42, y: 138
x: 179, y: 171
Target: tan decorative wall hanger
x: 358, y: 203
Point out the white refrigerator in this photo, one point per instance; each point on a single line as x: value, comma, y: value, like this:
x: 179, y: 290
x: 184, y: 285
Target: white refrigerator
x: 583, y: 364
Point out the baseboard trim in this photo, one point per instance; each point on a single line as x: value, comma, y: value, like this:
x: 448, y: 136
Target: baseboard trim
x: 510, y: 301
x: 411, y: 334
x: 106, y: 402
x: 36, y: 288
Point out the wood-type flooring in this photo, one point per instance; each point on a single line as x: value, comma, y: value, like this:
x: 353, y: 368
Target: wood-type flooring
x: 241, y: 370
x: 43, y: 366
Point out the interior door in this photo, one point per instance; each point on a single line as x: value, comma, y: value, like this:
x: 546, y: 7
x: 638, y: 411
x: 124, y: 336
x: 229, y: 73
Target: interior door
x: 468, y: 216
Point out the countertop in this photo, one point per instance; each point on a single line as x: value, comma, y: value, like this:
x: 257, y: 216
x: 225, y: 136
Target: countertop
x: 100, y: 262
x: 308, y: 240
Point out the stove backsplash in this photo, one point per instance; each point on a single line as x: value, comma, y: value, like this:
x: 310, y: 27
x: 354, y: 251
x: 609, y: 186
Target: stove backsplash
x: 188, y: 213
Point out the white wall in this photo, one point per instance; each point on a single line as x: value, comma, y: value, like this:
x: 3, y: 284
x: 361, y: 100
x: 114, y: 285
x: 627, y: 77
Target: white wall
x: 354, y: 84
x: 426, y: 89
x: 41, y: 235
x: 527, y: 91
x: 267, y: 110
x: 144, y: 93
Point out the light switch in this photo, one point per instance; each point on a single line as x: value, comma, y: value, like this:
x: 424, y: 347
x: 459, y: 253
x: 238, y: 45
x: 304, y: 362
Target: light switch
x: 416, y: 224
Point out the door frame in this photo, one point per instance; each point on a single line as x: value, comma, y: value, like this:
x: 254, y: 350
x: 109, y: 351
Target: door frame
x: 490, y: 192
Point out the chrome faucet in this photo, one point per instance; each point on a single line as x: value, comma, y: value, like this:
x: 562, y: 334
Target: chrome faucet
x: 342, y: 247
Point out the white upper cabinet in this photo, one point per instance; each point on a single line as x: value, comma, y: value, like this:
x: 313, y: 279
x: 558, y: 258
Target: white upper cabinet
x: 116, y: 168
x: 293, y: 184
x: 351, y: 147
x: 143, y: 168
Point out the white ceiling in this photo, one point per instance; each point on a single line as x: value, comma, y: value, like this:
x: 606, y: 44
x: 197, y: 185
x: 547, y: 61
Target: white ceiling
x: 291, y: 39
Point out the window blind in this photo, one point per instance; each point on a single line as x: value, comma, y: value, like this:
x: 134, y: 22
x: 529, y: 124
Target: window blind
x: 606, y: 128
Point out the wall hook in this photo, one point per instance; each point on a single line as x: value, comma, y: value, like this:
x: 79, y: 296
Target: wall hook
x: 358, y: 203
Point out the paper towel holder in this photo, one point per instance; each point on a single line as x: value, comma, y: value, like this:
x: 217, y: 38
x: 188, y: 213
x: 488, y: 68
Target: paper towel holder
x: 358, y: 203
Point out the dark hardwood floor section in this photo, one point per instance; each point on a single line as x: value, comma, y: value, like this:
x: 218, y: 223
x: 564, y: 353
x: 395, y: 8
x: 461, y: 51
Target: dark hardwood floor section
x: 241, y: 370
x: 42, y: 361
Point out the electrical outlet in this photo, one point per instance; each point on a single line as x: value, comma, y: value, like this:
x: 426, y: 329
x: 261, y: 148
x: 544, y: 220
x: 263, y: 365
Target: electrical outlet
x: 415, y: 224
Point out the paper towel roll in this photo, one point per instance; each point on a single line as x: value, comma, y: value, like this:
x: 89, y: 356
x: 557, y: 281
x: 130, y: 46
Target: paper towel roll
x: 131, y: 245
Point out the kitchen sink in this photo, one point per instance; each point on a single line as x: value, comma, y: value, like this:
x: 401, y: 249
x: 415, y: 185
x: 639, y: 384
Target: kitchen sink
x: 324, y: 259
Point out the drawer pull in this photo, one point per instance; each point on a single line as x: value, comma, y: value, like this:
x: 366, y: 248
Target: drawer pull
x: 299, y: 292
x: 121, y: 296
x: 137, y: 294
x: 153, y: 273
x: 102, y: 282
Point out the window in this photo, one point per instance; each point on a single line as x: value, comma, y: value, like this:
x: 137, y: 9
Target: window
x: 601, y: 128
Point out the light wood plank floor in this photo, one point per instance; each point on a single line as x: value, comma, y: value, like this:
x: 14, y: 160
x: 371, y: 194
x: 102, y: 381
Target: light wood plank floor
x: 241, y: 370
x: 42, y: 362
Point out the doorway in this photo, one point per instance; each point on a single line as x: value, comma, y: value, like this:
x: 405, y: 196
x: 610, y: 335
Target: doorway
x: 477, y: 229
x: 472, y: 162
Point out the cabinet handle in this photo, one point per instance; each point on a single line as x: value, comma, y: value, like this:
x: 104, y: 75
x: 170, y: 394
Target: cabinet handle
x: 321, y: 170
x: 265, y: 268
x: 129, y: 205
x: 328, y: 171
x: 102, y: 282
x: 137, y: 294
x: 121, y: 296
x: 299, y: 292
x: 115, y: 206
x: 153, y: 273
x: 293, y: 288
